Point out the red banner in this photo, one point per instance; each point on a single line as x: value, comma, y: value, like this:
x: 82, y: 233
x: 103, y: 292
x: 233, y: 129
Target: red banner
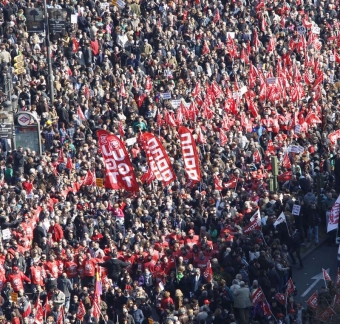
x: 158, y: 159
x: 290, y: 286
x: 252, y: 226
x: 119, y: 171
x: 189, y: 153
x: 285, y: 176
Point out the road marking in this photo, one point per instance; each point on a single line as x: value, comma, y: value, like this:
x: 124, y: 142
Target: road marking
x: 317, y: 278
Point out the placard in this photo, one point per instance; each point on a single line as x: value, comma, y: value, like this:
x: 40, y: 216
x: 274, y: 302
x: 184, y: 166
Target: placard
x: 175, y: 103
x: 301, y: 30
x: 296, y: 210
x: 271, y: 80
x: 6, y: 234
x: 74, y: 19
x: 231, y: 35
x: 34, y: 20
x: 131, y: 141
x: 243, y: 90
x: 331, y: 58
x: 316, y: 30
x: 57, y: 20
x: 166, y: 95
x: 14, y: 297
x: 99, y: 182
x: 297, y: 128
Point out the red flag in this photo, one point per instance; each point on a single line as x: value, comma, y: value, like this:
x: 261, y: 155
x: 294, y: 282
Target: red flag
x: 326, y: 276
x: 80, y: 114
x: 217, y: 183
x: 312, y: 302
x: 89, y: 179
x: 121, y: 129
x: 193, y: 111
x: 308, y: 77
x: 200, y: 137
x: 336, y: 300
x: 217, y: 16
x: 168, y: 119
x: 286, y: 161
x: 61, y: 316
x: 252, y: 226
x: 122, y: 90
x: 61, y: 156
x: 223, y: 138
x: 325, y: 314
x: 231, y: 184
x: 119, y: 172
x: 205, y: 48
x: 290, y: 286
x: 197, y: 90
x: 46, y: 308
x: 81, y: 311
x: 312, y: 118
x: 207, y: 112
x: 266, y: 308
x: 158, y: 158
x: 39, y: 313
x: 257, y: 157
x: 336, y: 55
x: 69, y: 164
x: 159, y: 120
x: 208, y: 273
x: 281, y: 298
x: 148, y: 84
x: 147, y: 177
x: 271, y: 147
x: 256, y: 41
x: 257, y: 296
x: 189, y: 154
x: 216, y: 90
x: 285, y: 176
x: 75, y: 45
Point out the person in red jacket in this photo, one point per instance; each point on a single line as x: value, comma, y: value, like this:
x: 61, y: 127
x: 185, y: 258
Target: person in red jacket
x: 56, y: 231
x: 89, y: 265
x: 71, y: 269
x: 38, y: 274
x: 17, y: 278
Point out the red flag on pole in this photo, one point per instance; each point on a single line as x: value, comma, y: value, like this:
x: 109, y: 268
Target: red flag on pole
x: 80, y: 114
x: 252, y: 226
x: 61, y: 156
x: 223, y: 138
x: 283, y: 177
x: 208, y: 273
x: 75, y: 45
x: 81, y: 311
x: 90, y: 179
x: 290, y: 286
x: 325, y: 314
x: 231, y: 184
x: 69, y: 164
x: 218, y: 183
x: 286, y: 162
x: 312, y: 302
x: 121, y: 129
x: 281, y: 298
x: 257, y: 157
x: 39, y: 313
x: 257, y: 296
x: 148, y: 177
x: 326, y: 276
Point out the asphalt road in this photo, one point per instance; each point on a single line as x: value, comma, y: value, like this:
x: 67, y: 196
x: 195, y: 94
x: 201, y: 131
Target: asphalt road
x: 323, y: 257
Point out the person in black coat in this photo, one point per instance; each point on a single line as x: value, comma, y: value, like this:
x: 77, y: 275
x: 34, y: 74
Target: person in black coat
x: 114, y: 267
x: 312, y: 220
x: 18, y: 162
x: 38, y: 234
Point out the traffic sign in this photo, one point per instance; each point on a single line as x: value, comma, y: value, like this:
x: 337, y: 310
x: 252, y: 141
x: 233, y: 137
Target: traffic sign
x: 24, y: 119
x: 19, y: 58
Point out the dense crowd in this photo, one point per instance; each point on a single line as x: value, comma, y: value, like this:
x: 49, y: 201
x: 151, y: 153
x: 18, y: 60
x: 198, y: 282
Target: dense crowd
x: 250, y: 80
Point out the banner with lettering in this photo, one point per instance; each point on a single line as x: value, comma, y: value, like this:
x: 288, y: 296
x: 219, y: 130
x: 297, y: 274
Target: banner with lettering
x: 158, y: 159
x: 189, y: 153
x: 119, y: 171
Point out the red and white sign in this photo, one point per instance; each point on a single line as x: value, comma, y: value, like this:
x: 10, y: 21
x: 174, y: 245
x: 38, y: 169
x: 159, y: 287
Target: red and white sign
x: 158, y: 159
x: 312, y: 302
x: 334, y: 216
x: 119, y: 170
x: 189, y: 153
x: 252, y: 226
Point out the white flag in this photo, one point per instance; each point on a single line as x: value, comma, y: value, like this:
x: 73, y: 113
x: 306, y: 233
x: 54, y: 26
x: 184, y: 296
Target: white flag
x: 334, y: 216
x: 256, y: 216
x: 280, y: 219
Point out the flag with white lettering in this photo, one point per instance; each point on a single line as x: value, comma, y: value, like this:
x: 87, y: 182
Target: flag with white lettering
x: 119, y: 171
x: 158, y: 159
x: 312, y: 302
x: 334, y: 216
x: 189, y: 154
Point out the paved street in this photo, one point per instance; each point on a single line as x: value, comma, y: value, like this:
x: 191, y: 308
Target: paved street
x: 323, y: 257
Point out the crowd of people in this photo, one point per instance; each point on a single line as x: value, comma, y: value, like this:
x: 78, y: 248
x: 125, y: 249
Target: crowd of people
x: 250, y: 80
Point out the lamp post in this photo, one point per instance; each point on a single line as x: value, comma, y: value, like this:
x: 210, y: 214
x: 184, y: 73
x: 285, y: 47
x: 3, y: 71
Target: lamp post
x: 49, y: 63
